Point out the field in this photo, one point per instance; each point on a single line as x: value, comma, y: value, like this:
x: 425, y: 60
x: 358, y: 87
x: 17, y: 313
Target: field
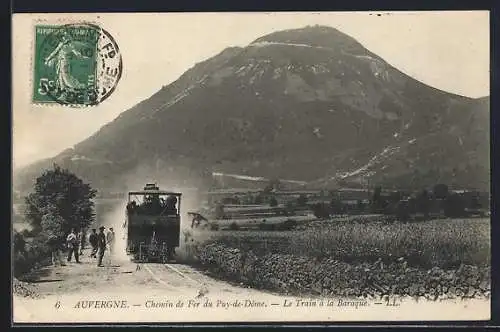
x: 358, y: 256
x: 443, y: 243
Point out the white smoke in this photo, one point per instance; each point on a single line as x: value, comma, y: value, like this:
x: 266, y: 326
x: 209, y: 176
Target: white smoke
x: 115, y: 219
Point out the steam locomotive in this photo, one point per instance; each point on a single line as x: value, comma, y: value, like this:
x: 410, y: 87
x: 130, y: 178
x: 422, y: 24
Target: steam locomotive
x: 153, y: 224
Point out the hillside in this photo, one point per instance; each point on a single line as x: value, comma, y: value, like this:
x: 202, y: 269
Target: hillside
x: 309, y: 104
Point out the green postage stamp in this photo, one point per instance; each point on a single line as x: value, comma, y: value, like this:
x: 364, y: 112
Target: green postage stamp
x: 74, y: 64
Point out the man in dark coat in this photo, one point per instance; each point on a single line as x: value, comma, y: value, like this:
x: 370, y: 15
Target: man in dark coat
x: 93, y: 243
x: 54, y: 244
x: 197, y: 219
x: 101, y: 244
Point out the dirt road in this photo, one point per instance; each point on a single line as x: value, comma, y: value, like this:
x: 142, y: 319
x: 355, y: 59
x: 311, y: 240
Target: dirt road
x: 126, y: 292
x: 67, y: 292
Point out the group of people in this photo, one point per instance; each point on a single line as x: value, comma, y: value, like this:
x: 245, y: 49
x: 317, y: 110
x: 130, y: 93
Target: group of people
x: 101, y: 242
x: 154, y: 204
x: 75, y: 243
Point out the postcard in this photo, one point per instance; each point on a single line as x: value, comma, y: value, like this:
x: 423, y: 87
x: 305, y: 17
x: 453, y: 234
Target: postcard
x: 251, y: 167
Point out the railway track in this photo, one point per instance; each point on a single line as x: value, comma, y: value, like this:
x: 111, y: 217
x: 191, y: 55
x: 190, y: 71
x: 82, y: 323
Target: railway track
x: 172, y: 276
x: 186, y: 272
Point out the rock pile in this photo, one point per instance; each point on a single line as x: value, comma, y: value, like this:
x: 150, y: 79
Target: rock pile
x: 300, y: 275
x: 24, y: 289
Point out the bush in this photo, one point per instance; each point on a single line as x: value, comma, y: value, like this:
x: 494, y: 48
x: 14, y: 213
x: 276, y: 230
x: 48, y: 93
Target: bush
x: 267, y: 227
x: 302, y: 200
x: 454, y: 206
x: 30, y: 255
x: 289, y: 224
x: 234, y: 226
x: 320, y: 211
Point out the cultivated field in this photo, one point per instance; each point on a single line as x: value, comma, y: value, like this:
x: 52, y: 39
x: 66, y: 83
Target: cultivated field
x: 443, y: 243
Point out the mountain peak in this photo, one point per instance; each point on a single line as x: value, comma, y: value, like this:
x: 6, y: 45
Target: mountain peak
x: 302, y: 104
x: 314, y: 36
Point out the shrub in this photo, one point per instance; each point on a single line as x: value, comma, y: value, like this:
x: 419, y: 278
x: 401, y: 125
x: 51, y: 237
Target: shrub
x: 289, y: 224
x: 320, y: 211
x: 30, y: 255
x: 234, y: 226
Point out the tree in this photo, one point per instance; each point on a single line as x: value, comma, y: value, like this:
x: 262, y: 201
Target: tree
x: 19, y: 243
x: 219, y: 211
x: 320, y: 211
x: 273, y: 201
x: 402, y: 211
x: 395, y: 197
x: 378, y: 203
x: 377, y: 193
x: 360, y: 206
x: 60, y: 201
x: 53, y: 225
x: 259, y: 199
x: 475, y: 202
x: 440, y: 191
x: 336, y: 206
x: 423, y: 203
x: 454, y: 206
x: 273, y: 185
x: 302, y: 200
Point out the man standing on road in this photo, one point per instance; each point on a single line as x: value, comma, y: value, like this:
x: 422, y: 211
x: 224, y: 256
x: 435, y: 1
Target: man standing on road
x: 55, y: 244
x: 73, y: 245
x: 79, y: 237
x: 82, y: 244
x: 110, y: 240
x: 93, y: 243
x: 101, y: 244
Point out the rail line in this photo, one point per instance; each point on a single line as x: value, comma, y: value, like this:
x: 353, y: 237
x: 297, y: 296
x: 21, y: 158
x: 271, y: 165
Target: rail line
x: 179, y: 270
x: 183, y: 274
x: 155, y: 277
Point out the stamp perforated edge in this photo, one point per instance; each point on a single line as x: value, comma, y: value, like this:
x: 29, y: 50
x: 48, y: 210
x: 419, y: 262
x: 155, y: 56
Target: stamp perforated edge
x: 55, y: 21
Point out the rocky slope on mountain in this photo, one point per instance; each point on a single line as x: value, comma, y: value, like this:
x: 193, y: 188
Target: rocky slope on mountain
x: 309, y: 104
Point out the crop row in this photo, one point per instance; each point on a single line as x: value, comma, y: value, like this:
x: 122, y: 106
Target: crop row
x: 442, y: 243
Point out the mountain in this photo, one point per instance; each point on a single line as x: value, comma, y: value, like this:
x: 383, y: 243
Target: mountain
x: 308, y: 104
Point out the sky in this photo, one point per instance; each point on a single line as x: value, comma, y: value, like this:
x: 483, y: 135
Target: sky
x: 446, y: 50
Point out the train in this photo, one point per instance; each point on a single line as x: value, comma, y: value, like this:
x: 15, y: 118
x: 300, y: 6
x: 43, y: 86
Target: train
x: 153, y: 222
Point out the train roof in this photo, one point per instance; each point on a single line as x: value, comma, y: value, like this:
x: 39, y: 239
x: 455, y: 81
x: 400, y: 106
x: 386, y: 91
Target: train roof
x: 157, y: 192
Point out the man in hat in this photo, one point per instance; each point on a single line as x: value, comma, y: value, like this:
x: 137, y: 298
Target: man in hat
x: 79, y: 238
x: 93, y: 243
x: 101, y: 244
x: 73, y: 246
x: 54, y: 244
x: 110, y: 239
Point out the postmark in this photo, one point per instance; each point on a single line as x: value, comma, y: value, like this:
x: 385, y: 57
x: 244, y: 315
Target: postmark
x: 76, y: 64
